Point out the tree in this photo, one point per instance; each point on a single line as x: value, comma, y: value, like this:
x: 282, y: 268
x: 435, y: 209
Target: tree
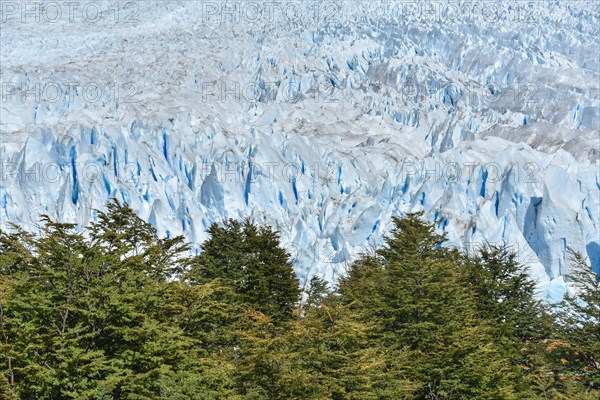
x: 520, y: 323
x: 415, y: 290
x: 579, y: 316
x: 326, y: 354
x: 250, y: 260
x: 121, y: 234
x: 506, y: 295
x: 7, y: 377
x: 102, y: 317
x: 318, y: 291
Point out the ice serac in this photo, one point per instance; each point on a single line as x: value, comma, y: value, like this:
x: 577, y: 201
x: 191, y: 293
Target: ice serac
x: 325, y: 125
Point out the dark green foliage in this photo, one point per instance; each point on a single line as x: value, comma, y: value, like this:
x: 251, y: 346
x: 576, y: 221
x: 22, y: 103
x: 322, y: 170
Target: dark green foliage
x: 505, y: 295
x: 416, y: 293
x: 115, y: 312
x: 580, y: 322
x: 317, y: 292
x: 250, y: 260
x: 94, y: 318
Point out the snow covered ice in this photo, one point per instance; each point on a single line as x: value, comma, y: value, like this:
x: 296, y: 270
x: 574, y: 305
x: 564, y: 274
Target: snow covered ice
x: 323, y: 119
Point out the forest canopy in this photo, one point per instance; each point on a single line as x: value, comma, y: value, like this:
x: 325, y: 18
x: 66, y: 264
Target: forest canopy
x: 117, y: 312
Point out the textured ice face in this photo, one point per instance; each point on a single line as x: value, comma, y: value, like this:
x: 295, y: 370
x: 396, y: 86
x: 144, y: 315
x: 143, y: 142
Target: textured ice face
x: 323, y: 119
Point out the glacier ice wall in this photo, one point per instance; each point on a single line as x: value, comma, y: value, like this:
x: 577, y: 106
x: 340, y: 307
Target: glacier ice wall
x: 323, y: 119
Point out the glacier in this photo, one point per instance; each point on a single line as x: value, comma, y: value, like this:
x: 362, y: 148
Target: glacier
x: 321, y: 118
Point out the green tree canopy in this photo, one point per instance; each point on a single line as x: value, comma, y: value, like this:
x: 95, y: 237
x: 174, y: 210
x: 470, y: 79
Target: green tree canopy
x: 251, y: 260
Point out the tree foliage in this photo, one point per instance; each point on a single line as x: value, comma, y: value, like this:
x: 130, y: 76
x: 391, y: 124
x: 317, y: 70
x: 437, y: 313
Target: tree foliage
x: 579, y: 315
x: 116, y: 312
x: 250, y: 260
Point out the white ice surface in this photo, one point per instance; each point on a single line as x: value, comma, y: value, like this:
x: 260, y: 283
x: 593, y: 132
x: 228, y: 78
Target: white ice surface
x: 324, y: 125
